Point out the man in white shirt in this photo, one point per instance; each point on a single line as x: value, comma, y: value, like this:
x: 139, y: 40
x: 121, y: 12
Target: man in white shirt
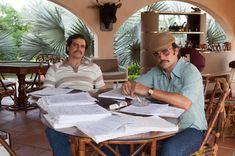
x: 74, y: 73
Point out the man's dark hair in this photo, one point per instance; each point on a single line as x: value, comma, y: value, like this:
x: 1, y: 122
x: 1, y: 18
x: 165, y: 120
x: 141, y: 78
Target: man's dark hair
x: 174, y: 45
x: 75, y: 36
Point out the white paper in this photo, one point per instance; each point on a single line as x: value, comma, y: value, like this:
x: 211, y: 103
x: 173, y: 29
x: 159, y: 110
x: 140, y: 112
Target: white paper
x: 50, y: 92
x: 114, y: 94
x: 154, y: 109
x: 151, y: 124
x: 68, y: 99
x: 119, y: 126
x: 62, y: 117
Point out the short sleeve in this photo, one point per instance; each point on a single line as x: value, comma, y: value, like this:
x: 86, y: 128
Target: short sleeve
x: 99, y: 81
x: 50, y: 77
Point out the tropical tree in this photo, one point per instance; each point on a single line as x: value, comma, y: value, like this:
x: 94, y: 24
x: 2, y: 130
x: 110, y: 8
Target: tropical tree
x: 13, y: 27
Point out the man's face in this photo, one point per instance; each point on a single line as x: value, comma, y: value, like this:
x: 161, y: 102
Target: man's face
x: 167, y: 58
x: 77, y: 48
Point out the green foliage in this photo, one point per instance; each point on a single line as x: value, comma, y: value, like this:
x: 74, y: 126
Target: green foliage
x: 50, y: 25
x: 133, y: 71
x: 215, y: 34
x: 6, y: 46
x: 10, y: 22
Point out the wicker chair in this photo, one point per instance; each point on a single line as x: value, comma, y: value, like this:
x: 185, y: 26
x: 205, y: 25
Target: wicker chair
x: 215, y: 114
x: 229, y: 124
x: 36, y: 80
x: 6, y: 144
x: 8, y: 88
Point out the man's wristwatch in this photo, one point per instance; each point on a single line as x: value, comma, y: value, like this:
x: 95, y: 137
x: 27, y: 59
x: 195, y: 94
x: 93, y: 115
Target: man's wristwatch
x: 150, y: 91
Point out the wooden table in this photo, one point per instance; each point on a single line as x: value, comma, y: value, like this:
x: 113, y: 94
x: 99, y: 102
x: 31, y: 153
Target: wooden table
x: 21, y: 68
x: 83, y: 145
x: 138, y: 144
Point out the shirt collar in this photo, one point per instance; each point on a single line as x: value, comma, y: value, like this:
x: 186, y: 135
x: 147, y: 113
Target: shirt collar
x: 177, y: 69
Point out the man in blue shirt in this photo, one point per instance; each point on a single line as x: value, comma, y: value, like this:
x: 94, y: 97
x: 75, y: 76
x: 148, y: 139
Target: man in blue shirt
x: 178, y: 83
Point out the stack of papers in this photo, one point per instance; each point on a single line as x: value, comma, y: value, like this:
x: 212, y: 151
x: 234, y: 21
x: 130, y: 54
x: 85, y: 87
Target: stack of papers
x: 50, y: 92
x: 119, y: 126
x: 82, y: 98
x: 154, y: 109
x: 67, y: 116
x: 114, y: 94
x: 65, y: 110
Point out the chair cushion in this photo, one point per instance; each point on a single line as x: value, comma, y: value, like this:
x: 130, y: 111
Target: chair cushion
x: 107, y: 65
x: 114, y: 75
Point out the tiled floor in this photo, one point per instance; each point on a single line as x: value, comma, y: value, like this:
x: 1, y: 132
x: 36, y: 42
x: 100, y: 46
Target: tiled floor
x: 27, y: 133
x: 28, y: 138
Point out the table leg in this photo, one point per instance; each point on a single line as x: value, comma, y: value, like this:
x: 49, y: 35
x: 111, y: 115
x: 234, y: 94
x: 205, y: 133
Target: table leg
x: 81, y: 147
x: 22, y: 99
x: 154, y: 148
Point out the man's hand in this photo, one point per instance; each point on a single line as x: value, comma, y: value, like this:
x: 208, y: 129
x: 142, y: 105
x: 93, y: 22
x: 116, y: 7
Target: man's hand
x: 128, y: 88
x: 132, y: 87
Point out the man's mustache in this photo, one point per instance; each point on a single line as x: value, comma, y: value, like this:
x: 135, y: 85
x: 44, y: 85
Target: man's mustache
x: 164, y: 61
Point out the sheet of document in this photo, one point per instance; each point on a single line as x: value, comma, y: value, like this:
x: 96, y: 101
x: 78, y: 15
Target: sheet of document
x: 50, y: 92
x: 76, y: 113
x: 119, y: 126
x: 114, y: 94
x: 106, y: 128
x: 68, y: 116
x: 81, y: 98
x: 154, y: 109
x: 154, y: 123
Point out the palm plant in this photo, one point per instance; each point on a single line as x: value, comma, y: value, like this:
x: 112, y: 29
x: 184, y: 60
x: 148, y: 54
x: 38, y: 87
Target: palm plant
x: 50, y: 25
x: 215, y: 33
x: 7, y: 45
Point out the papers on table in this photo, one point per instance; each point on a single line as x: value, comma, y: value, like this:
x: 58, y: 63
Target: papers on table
x: 50, y: 92
x: 155, y: 110
x: 82, y: 98
x: 67, y: 116
x: 119, y: 126
x: 114, y: 94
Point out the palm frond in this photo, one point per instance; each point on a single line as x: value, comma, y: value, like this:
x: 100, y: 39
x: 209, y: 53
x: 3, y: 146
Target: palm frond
x: 215, y: 33
x: 47, y: 28
x: 33, y: 45
x: 7, y: 45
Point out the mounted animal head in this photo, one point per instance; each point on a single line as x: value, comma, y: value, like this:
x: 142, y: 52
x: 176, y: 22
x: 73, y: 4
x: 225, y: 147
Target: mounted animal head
x: 108, y: 13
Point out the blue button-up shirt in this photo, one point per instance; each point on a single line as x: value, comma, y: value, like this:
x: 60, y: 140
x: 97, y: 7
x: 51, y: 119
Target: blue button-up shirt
x: 185, y: 80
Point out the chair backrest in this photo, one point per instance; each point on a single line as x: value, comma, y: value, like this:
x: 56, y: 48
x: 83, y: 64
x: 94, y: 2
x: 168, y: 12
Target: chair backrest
x: 107, y: 65
x: 216, y: 106
x: 49, y: 58
x: 205, y: 83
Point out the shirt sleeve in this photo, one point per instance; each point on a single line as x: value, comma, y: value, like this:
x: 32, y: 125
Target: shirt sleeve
x: 50, y: 77
x: 99, y: 81
x: 192, y: 84
x: 147, y: 78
